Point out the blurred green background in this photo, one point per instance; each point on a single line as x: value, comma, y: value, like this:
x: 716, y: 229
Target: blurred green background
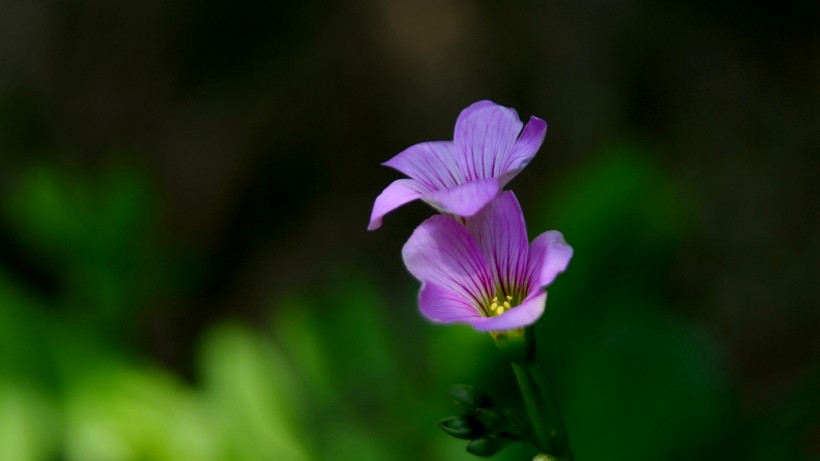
x: 185, y: 272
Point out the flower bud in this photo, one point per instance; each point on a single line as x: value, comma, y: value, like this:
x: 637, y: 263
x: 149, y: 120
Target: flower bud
x: 485, y: 446
x: 490, y: 419
x: 469, y: 398
x: 462, y: 427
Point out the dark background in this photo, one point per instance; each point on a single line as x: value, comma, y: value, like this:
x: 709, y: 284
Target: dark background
x: 185, y: 271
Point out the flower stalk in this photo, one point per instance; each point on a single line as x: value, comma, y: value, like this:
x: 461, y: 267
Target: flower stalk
x: 542, y: 408
x: 549, y: 433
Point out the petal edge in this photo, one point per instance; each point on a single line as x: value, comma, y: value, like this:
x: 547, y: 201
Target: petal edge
x: 485, y: 133
x: 441, y: 251
x: 441, y: 305
x: 526, y: 313
x: 526, y: 146
x: 398, y: 193
x: 549, y: 256
x: 430, y: 163
x: 465, y: 199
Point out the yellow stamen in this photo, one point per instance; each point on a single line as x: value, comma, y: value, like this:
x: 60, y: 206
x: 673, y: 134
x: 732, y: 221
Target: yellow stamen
x: 499, y: 307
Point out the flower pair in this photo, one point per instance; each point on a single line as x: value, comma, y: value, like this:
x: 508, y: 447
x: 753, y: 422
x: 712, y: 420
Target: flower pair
x: 474, y: 261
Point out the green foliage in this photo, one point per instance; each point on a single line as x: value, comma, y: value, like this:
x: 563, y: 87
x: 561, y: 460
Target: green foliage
x: 252, y: 397
x: 93, y: 236
x: 29, y: 422
x: 639, y: 381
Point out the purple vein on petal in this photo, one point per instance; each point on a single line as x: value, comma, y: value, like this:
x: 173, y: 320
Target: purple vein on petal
x: 432, y: 163
x: 442, y: 305
x: 549, y: 256
x: 526, y: 146
x: 441, y: 251
x: 484, y: 135
x: 501, y: 234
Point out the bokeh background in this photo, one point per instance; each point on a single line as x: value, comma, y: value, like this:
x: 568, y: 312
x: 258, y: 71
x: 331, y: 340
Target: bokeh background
x: 185, y: 272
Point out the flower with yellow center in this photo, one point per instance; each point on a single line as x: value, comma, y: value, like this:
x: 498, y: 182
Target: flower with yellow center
x: 482, y: 271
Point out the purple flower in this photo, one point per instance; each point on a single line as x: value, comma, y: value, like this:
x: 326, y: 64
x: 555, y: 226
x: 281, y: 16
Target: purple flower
x: 460, y: 176
x: 484, y: 273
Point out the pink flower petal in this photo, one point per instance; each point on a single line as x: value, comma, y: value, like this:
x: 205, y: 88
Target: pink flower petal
x: 501, y: 234
x: 549, y: 256
x: 441, y: 305
x: 526, y: 313
x: 484, y: 134
x: 442, y: 252
x: 395, y: 195
x: 525, y: 146
x: 465, y: 199
x: 431, y: 163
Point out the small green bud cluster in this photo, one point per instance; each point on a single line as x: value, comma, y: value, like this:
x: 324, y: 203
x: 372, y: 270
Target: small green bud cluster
x: 489, y: 428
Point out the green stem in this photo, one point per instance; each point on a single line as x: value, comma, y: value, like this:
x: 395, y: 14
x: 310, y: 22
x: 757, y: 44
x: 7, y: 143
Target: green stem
x: 545, y: 417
